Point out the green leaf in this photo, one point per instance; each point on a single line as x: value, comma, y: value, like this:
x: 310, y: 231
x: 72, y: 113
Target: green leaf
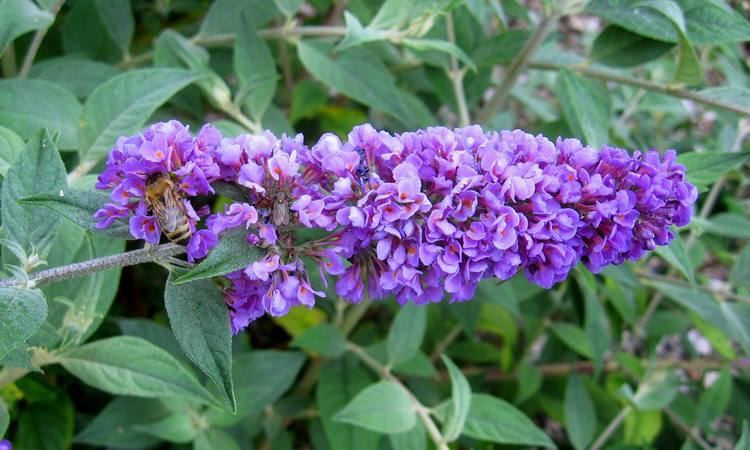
x: 4, y: 418
x: 396, y: 13
x: 740, y: 276
x: 38, y: 169
x: 79, y: 206
x: 255, y: 68
x: 425, y: 45
x: 586, y: 107
x: 11, y: 145
x: 225, y: 16
x: 618, y: 47
x: 460, y: 402
x: 200, y: 322
x: 707, y: 22
x: 714, y: 400
x: 494, y: 420
x: 156, y: 333
x: 383, y: 407
x: 414, y: 439
x: 596, y: 323
x: 700, y: 303
x: 27, y: 106
x: 231, y: 254
x: 178, y: 427
x: 580, y: 415
x: 737, y: 316
x: 706, y: 167
x: 656, y: 391
x: 529, y: 381
x: 356, y: 34
x: 54, y: 418
x: 574, y: 337
x: 23, y: 312
x: 99, y: 29
x: 339, y: 382
x: 688, y: 65
x: 726, y: 224
x: 288, y: 7
x: 677, y: 256
x: 500, y: 49
x: 406, y: 333
x: 732, y: 95
x: 325, y: 339
x: 126, y: 365
x: 744, y: 442
x: 79, y: 75
x: 262, y: 376
x: 115, y: 425
x: 308, y: 97
x: 346, y: 74
x: 20, y: 17
x: 123, y: 104
x: 215, y: 439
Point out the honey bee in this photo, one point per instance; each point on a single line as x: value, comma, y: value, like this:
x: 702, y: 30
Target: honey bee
x: 166, y: 203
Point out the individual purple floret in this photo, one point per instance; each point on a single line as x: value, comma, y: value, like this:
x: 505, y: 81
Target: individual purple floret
x: 415, y: 215
x: 166, y: 148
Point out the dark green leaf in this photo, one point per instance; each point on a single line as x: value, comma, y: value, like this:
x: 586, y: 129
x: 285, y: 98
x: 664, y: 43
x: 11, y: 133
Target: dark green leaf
x: 596, y: 323
x: 677, y: 256
x: 500, y: 49
x: 261, y: 377
x: 123, y: 104
x: 460, y: 402
x: 495, y: 420
x: 178, y: 427
x: 325, y: 339
x: 707, y: 22
x: 339, y: 382
x: 200, y: 322
x: 99, y: 29
x: 414, y: 439
x: 737, y: 316
x: 656, y: 391
x: 126, y: 365
x: 384, y: 407
x: 704, y: 168
x: 288, y: 7
x: 586, y: 107
x: 255, y: 68
x: 79, y: 207
x: 618, y: 47
x: 731, y: 95
x: 740, y: 276
x: 346, y: 71
x: 215, y: 439
x: 79, y: 75
x: 406, y: 333
x: 744, y: 442
x: 46, y: 426
x: 19, y: 17
x: 580, y: 415
x: 696, y: 301
x: 115, y: 425
x: 574, y: 337
x: 425, y: 45
x: 11, y: 145
x: 714, y: 400
x: 529, y: 381
x: 727, y: 224
x: 23, y: 312
x: 225, y: 16
x: 27, y: 106
x: 307, y: 98
x: 231, y: 254
x: 156, y: 333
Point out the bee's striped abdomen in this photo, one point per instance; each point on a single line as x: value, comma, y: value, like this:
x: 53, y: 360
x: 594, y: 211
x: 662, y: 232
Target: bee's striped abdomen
x: 181, y: 234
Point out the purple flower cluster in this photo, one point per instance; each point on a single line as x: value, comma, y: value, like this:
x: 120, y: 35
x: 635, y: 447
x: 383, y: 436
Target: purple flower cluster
x: 413, y: 215
x: 164, y: 148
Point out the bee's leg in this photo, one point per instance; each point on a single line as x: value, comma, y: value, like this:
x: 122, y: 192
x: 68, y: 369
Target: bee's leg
x: 179, y: 263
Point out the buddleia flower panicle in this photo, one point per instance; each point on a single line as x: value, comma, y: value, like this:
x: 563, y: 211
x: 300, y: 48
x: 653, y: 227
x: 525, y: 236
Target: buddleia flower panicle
x: 416, y: 215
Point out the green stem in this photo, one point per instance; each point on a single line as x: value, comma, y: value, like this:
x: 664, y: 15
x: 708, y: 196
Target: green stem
x: 36, y: 42
x: 354, y: 316
x: 611, y: 428
x: 517, y: 66
x: 456, y: 75
x: 422, y: 411
x: 608, y: 75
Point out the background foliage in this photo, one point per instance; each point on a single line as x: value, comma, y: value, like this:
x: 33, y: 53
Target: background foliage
x: 646, y: 355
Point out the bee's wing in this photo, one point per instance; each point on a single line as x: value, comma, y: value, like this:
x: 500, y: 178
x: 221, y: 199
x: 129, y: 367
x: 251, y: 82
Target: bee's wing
x: 171, y: 212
